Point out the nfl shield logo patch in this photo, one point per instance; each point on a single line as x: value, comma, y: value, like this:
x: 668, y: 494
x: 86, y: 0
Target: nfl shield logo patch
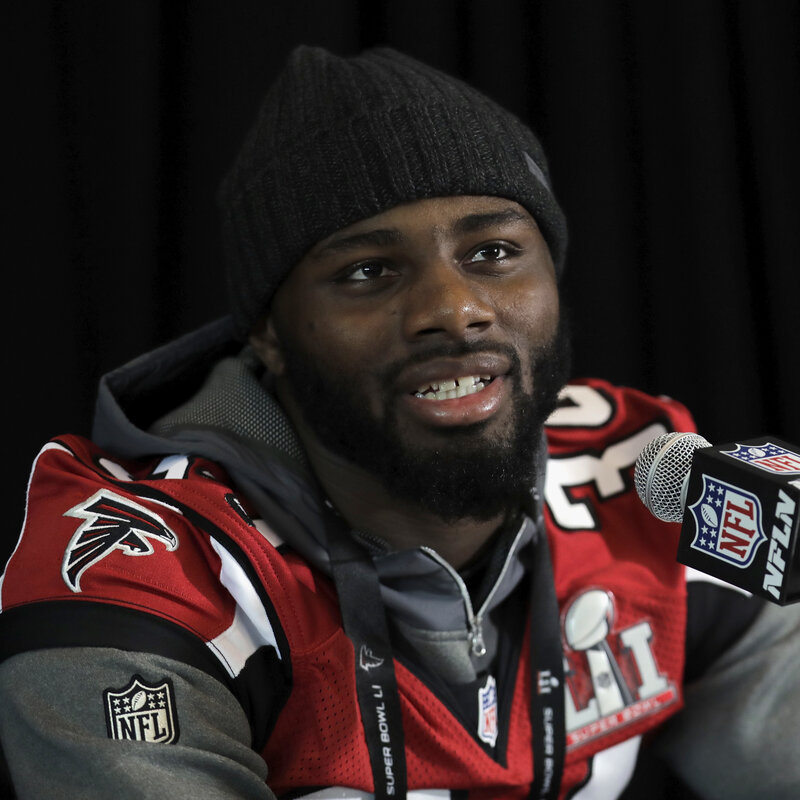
x: 142, y: 713
x: 727, y: 523
x: 769, y: 457
x: 487, y: 712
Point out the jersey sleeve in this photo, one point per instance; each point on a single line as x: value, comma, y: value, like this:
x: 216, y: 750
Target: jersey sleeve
x: 98, y: 723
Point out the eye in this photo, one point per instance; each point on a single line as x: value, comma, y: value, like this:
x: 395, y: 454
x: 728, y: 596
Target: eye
x: 367, y: 271
x: 493, y: 251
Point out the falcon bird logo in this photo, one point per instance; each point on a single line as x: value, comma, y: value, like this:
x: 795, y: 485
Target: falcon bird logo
x: 111, y: 523
x: 367, y: 659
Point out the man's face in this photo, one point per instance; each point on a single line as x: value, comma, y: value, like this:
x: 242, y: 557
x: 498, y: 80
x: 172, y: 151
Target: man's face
x: 423, y: 345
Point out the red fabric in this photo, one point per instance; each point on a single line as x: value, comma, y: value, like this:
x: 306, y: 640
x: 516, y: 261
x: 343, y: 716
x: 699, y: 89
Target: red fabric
x: 180, y: 585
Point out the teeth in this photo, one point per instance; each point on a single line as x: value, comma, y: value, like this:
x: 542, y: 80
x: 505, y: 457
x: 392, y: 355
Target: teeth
x: 451, y: 389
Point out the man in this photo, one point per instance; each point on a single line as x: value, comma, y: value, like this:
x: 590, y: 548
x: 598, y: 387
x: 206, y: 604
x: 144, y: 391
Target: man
x: 321, y: 564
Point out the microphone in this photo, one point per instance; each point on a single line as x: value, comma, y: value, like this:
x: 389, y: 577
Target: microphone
x: 739, y: 505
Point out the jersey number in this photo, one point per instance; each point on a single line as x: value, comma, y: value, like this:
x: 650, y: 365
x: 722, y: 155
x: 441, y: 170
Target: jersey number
x: 606, y: 470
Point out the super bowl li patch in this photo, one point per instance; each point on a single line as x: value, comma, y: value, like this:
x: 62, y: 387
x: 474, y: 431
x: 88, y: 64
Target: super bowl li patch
x: 142, y: 713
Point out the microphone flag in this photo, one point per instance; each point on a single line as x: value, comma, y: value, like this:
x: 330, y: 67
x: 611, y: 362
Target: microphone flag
x: 741, y: 521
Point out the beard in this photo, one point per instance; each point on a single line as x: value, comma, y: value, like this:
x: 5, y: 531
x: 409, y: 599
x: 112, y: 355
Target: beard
x: 464, y: 472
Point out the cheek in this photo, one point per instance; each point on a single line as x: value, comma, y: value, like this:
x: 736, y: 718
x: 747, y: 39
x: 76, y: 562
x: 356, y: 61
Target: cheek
x: 532, y: 321
x: 531, y: 313
x: 345, y: 346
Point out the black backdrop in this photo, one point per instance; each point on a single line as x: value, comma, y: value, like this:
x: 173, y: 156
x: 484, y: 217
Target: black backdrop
x: 672, y: 129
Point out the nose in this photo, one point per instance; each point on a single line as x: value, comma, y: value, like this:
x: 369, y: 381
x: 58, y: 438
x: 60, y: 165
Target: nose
x: 443, y: 299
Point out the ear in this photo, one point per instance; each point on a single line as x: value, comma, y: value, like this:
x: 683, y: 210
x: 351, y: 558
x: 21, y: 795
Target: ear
x: 265, y: 341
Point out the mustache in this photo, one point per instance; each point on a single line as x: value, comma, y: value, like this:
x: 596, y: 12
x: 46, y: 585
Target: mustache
x: 452, y: 350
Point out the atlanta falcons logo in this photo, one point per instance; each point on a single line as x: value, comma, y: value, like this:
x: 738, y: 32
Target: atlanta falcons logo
x: 367, y: 659
x: 112, y: 523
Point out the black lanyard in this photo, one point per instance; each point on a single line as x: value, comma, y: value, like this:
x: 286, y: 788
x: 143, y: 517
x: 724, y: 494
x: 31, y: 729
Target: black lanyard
x: 547, y: 678
x: 364, y: 620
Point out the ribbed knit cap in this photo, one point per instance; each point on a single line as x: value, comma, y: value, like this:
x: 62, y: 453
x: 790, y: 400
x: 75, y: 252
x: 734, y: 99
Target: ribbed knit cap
x: 338, y: 140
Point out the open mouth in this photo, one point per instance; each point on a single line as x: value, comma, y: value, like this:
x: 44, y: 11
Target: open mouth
x: 453, y: 388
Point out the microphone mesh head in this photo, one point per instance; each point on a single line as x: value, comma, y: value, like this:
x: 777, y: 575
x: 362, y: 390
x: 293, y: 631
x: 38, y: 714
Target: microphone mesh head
x: 661, y: 470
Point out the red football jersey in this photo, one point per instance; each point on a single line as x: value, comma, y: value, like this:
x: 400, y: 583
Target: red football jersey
x: 171, y: 539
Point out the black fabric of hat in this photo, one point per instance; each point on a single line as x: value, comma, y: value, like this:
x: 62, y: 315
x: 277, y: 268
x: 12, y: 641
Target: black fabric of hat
x: 338, y: 140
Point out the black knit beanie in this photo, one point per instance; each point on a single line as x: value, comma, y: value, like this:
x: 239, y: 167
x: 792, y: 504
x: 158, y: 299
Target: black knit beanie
x: 338, y: 140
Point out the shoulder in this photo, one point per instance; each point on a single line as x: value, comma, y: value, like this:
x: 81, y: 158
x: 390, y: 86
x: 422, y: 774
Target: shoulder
x: 169, y: 536
x: 88, y: 513
x: 145, y: 554
x: 593, y: 410
x: 594, y: 438
x: 162, y: 556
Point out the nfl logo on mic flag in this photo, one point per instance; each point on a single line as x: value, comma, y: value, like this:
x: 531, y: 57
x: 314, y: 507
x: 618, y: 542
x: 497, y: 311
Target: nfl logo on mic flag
x: 727, y: 522
x: 742, y: 515
x: 768, y: 456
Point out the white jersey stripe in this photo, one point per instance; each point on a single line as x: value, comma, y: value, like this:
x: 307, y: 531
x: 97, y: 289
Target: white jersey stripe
x: 250, y: 628
x: 268, y: 533
x: 612, y: 770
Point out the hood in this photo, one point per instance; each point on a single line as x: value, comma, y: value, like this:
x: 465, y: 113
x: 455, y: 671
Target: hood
x: 203, y: 394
